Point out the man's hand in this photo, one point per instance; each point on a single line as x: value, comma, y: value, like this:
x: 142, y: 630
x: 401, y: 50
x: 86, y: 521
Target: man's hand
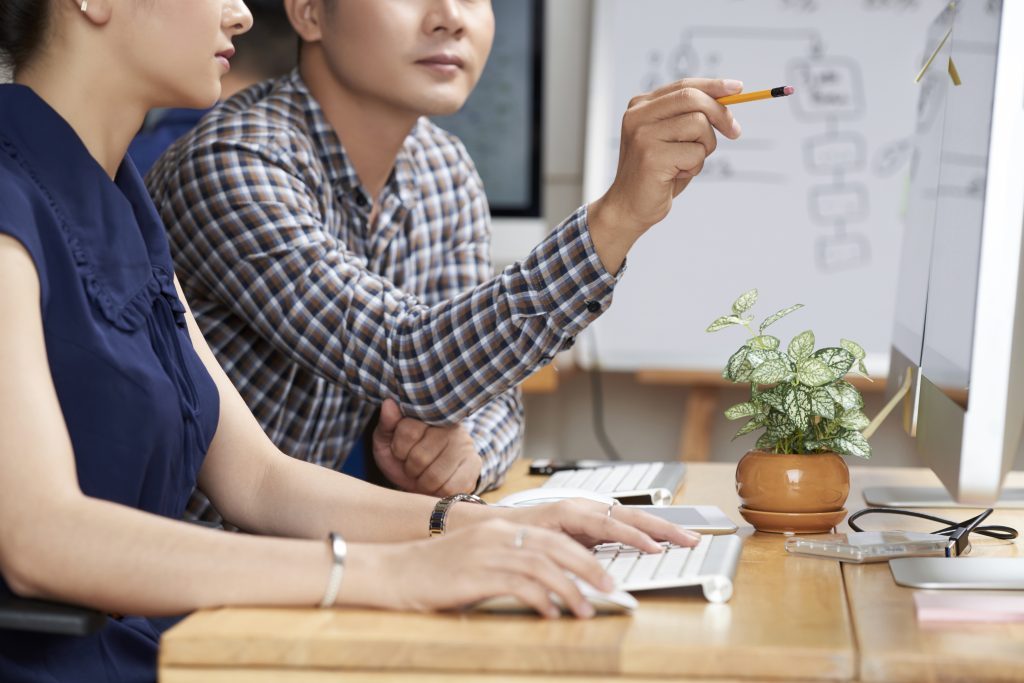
x: 416, y: 457
x: 666, y: 136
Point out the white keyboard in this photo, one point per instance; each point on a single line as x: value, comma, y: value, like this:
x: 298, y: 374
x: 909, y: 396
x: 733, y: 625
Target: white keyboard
x: 710, y: 564
x: 622, y: 478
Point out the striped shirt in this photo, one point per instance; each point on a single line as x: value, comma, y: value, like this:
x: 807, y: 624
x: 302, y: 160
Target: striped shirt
x: 317, y: 317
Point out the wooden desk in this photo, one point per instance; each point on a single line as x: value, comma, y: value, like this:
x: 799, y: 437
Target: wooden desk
x: 789, y: 619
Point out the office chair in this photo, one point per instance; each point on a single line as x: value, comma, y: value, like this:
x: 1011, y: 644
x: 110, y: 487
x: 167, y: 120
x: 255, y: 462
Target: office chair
x: 41, y: 616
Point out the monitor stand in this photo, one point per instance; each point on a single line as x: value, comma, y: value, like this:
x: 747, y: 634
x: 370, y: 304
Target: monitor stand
x: 932, y: 497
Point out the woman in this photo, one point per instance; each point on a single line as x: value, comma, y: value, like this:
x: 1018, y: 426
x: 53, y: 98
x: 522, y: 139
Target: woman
x: 112, y: 407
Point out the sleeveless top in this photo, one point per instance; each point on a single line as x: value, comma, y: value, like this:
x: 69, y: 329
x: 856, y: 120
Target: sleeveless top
x: 138, y: 403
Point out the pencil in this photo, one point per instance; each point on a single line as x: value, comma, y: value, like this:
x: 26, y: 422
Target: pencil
x: 781, y: 91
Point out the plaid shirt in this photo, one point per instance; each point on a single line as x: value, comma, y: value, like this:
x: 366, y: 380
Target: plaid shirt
x: 317, y: 317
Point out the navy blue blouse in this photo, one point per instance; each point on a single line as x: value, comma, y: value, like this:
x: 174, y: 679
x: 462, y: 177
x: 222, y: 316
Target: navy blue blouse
x: 138, y: 403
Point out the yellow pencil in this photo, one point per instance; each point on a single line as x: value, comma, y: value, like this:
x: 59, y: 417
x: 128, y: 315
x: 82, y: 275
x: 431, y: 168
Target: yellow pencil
x: 781, y: 91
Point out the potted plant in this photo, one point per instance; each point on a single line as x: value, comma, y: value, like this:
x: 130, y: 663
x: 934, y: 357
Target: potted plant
x: 795, y: 479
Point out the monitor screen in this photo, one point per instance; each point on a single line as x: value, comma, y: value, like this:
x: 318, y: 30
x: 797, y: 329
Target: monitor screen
x: 501, y: 122
x: 960, y: 318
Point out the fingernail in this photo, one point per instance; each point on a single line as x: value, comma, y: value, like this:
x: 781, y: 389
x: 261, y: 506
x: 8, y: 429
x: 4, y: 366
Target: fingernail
x: 607, y: 584
x: 553, y: 613
x: 732, y: 85
x: 737, y: 127
x: 586, y: 610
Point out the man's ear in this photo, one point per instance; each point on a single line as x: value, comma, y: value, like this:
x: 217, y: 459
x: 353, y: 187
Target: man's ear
x: 94, y: 11
x: 306, y: 17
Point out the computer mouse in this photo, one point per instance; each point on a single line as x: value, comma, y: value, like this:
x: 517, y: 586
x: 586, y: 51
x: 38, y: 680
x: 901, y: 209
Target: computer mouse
x: 543, y: 495
x: 615, y: 602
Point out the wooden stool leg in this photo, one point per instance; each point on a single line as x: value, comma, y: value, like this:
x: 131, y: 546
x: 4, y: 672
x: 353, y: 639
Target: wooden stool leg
x: 698, y: 416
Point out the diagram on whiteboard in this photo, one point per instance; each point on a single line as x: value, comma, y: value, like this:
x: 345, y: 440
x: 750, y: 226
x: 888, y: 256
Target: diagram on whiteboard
x: 816, y: 185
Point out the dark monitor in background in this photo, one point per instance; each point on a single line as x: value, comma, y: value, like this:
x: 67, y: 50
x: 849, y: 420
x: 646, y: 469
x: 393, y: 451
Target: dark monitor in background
x: 960, y: 321
x: 501, y: 122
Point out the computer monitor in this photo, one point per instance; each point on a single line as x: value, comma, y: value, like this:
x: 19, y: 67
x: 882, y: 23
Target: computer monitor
x: 960, y: 311
x: 500, y: 124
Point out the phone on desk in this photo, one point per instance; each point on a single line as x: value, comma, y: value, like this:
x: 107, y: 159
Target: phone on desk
x: 705, y: 519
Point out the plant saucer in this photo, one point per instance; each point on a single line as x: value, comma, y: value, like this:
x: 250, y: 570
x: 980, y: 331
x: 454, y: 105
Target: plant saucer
x: 793, y: 522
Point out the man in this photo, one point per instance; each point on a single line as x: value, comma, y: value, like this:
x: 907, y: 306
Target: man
x: 333, y: 243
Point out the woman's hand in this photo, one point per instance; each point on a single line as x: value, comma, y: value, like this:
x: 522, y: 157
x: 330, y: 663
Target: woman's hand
x: 485, y: 560
x: 590, y: 523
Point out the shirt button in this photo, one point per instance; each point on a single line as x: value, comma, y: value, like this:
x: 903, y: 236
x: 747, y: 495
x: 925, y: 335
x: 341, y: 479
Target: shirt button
x: 593, y: 306
x: 567, y: 343
x: 361, y: 200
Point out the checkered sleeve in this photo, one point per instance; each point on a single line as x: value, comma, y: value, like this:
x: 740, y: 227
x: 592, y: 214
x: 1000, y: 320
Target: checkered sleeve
x: 258, y: 239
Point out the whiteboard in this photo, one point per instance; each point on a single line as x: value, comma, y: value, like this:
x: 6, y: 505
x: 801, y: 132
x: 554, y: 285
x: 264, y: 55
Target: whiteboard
x: 806, y: 206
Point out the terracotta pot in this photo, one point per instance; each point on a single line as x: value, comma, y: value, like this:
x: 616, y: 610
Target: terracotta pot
x: 817, y: 482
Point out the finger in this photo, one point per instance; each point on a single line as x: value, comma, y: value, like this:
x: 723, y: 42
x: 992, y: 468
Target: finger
x: 530, y: 592
x: 692, y: 127
x: 406, y: 435
x: 570, y: 556
x: 463, y: 480
x: 538, y: 566
x: 714, y: 87
x: 439, y: 473
x: 656, y: 527
x: 686, y: 101
x: 673, y: 160
x: 426, y: 451
x: 390, y: 416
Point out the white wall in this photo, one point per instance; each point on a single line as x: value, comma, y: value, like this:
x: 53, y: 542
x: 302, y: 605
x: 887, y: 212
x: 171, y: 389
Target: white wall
x: 644, y: 422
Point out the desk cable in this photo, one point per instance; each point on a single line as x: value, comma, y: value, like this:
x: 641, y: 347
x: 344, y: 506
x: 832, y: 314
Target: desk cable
x: 958, y: 532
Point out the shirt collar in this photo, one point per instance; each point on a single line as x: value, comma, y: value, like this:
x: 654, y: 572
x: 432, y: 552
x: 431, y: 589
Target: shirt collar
x: 340, y: 172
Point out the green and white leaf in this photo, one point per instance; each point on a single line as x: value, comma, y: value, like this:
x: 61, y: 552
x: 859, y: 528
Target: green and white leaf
x: 822, y: 403
x: 779, y: 426
x: 745, y: 302
x: 775, y: 317
x: 751, y: 425
x: 824, y: 445
x: 741, y: 410
x: 798, y: 407
x: 776, y: 396
x: 853, y: 347
x: 846, y: 395
x: 767, y: 442
x: 838, y: 360
x: 862, y: 370
x: 725, y: 321
x: 802, y: 346
x: 765, y: 342
x: 813, y: 372
x: 738, y: 368
x: 853, y: 419
x: 851, y: 442
x: 771, y: 372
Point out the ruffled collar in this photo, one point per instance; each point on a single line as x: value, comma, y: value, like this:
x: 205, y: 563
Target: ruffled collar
x: 111, y: 227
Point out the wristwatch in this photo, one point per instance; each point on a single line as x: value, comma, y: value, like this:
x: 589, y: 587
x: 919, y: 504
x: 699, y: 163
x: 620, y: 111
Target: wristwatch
x: 440, y: 514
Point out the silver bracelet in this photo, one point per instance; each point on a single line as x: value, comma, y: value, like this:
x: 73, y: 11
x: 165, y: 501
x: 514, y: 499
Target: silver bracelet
x: 338, y: 549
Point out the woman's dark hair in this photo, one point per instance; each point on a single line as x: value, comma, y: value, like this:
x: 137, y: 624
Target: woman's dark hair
x: 22, y: 28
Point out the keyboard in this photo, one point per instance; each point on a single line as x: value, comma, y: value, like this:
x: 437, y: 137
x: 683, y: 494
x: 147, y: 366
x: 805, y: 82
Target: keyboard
x: 662, y: 479
x: 710, y: 564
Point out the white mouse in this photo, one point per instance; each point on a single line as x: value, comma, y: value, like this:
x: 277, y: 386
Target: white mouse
x: 540, y: 496
x: 616, y: 602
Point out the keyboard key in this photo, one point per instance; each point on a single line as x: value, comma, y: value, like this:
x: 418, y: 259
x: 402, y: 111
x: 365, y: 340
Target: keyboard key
x: 648, y: 478
x: 672, y: 564
x: 645, y: 568
x: 614, y: 478
x: 622, y: 564
x: 696, y: 562
x: 631, y: 481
